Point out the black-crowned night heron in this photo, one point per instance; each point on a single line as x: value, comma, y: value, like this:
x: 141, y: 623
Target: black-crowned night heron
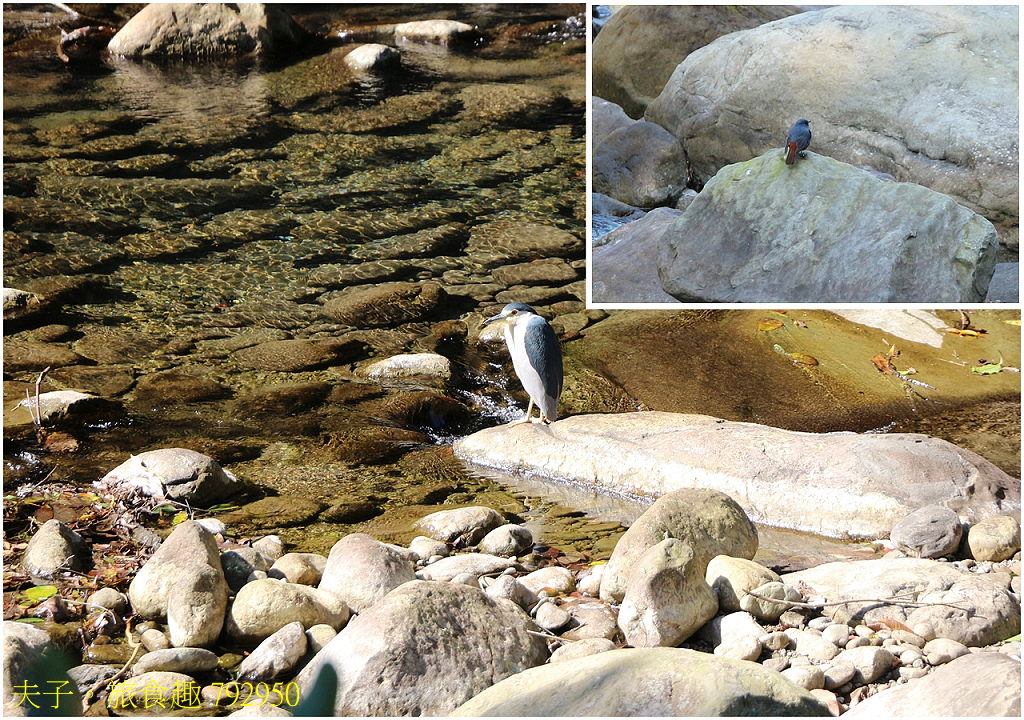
x: 536, y: 357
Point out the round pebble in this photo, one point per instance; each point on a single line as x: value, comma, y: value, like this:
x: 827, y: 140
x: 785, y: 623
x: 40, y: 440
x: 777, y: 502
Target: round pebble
x: 108, y: 599
x: 838, y: 675
x: 924, y: 630
x: 154, y: 640
x: 912, y: 673
x: 819, y: 623
x: 809, y: 677
x: 775, y: 641
x: 838, y: 634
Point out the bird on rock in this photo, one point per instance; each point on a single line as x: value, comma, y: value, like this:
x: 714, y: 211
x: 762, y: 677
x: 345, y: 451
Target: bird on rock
x: 536, y: 358
x: 798, y: 140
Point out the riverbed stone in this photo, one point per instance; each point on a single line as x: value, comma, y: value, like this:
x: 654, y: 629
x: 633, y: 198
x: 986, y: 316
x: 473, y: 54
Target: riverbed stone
x: 275, y: 656
x: 427, y: 548
x: 54, y: 548
x: 196, y: 605
x: 811, y: 644
x: 640, y: 164
x: 300, y: 355
x: 975, y: 685
x: 187, y: 548
x: 426, y: 646
x: 747, y: 647
x: 767, y: 610
x: 994, y: 538
x: 869, y: 662
x: 26, y: 355
x: 186, y: 660
x: 360, y: 570
x: 317, y: 638
x: 153, y: 639
x: 943, y: 650
x: 929, y: 532
x: 439, y: 31
x: 552, y: 618
x: 621, y: 270
x: 856, y: 486
x: 662, y: 36
x: 385, y: 305
x: 471, y: 522
x: 239, y: 563
x: 809, y: 677
x: 187, y: 29
x: 373, y: 56
x: 710, y: 521
x: 675, y: 682
x: 554, y: 579
x: 156, y: 690
x: 263, y: 607
x: 591, y: 619
x: 581, y: 648
x: 410, y: 365
x: 107, y: 598
x: 666, y: 599
x: 506, y: 540
x: 731, y: 578
x: 942, y: 147
x: 174, y: 387
x: 980, y: 613
x: 501, y: 242
x: 719, y: 251
x: 508, y: 587
x: 300, y: 568
x: 476, y: 563
x: 174, y: 473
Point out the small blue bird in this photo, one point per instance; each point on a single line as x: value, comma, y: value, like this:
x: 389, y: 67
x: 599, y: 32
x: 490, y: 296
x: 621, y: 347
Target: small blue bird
x: 536, y: 358
x: 798, y: 140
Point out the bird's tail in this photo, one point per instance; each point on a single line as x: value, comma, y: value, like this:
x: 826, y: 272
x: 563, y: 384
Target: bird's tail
x: 791, y: 155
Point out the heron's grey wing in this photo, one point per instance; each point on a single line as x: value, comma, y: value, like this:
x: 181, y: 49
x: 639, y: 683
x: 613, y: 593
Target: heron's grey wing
x: 546, y: 354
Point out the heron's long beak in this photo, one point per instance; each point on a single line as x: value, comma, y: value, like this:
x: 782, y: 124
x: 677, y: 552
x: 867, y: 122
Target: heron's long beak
x: 488, y: 321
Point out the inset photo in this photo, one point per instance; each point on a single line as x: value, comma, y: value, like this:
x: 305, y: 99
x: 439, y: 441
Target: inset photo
x: 766, y: 154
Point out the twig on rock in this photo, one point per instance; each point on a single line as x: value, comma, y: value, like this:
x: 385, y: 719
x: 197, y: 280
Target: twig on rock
x: 880, y: 601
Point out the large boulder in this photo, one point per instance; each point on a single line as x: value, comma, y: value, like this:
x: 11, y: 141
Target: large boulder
x: 621, y: 269
x: 263, y: 607
x: 424, y: 649
x: 849, y: 485
x: 206, y: 29
x: 961, y: 606
x: 55, y: 548
x: 975, y: 685
x: 360, y: 570
x: 640, y: 164
x: 639, y: 47
x: 187, y: 549
x: 711, y: 522
x: 175, y: 473
x: 645, y: 682
x: 666, y: 599
x: 752, y: 235
x: 927, y: 94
